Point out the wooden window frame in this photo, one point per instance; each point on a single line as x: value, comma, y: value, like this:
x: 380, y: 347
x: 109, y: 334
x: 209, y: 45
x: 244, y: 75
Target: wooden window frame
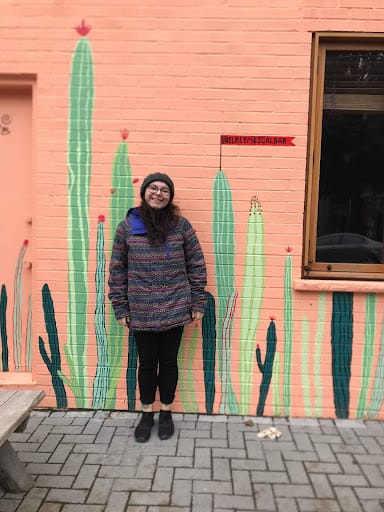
x: 310, y: 268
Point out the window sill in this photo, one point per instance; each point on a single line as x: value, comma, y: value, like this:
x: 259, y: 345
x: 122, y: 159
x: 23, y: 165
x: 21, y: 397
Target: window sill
x: 320, y: 285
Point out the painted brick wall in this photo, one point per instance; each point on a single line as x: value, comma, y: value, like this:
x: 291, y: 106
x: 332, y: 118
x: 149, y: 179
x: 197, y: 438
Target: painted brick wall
x: 177, y: 75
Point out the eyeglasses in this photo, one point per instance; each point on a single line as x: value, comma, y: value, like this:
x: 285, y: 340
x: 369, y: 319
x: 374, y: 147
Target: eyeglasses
x: 163, y: 191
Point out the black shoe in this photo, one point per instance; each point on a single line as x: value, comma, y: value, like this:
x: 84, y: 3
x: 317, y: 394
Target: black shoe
x: 166, y: 427
x: 143, y: 429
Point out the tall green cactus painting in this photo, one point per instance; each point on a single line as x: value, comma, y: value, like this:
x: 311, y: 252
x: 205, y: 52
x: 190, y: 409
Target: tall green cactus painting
x: 122, y: 198
x: 288, y: 332
x: 54, y: 362
x: 224, y: 250
x: 251, y: 301
x: 341, y: 341
x: 101, y: 380
x: 81, y: 98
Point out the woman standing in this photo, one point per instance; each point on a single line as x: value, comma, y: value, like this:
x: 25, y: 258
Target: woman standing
x: 157, y: 280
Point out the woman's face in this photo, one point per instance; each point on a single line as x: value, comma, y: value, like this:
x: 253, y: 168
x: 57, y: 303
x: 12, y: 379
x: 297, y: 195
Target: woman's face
x: 157, y: 195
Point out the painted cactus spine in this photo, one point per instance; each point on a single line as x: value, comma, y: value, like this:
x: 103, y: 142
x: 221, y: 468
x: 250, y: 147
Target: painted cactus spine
x: 252, y: 298
x: 377, y: 397
x: 17, y: 306
x: 131, y: 372
x: 3, y: 328
x: 53, y: 363
x: 266, y: 368
x: 122, y: 199
x: 369, y: 341
x: 341, y: 342
x: 81, y: 99
x: 208, y: 327
x: 224, y: 249
x: 101, y: 380
x: 288, y: 332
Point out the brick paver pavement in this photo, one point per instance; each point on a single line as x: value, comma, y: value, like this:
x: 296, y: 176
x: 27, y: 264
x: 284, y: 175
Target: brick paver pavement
x: 87, y: 461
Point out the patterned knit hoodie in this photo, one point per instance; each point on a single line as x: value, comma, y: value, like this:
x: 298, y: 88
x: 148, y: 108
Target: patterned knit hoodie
x: 157, y: 287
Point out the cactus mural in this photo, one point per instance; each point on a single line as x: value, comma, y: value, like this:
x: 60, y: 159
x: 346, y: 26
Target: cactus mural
x: 377, y: 397
x: 122, y: 198
x: 251, y: 300
x: 185, y: 358
x: 208, y: 329
x: 318, y: 391
x: 28, y: 350
x: 17, y: 305
x: 53, y: 363
x: 81, y: 98
x: 305, y: 372
x: 131, y: 379
x: 369, y: 342
x: 3, y: 329
x: 224, y: 251
x: 101, y: 380
x: 288, y: 332
x: 341, y: 342
x: 266, y: 368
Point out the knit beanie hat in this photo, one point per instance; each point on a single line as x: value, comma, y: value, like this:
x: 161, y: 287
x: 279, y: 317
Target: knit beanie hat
x: 157, y: 176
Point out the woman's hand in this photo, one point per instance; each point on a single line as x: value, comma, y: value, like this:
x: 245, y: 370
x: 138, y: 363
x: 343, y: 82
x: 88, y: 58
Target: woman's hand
x: 197, y: 315
x: 124, y: 321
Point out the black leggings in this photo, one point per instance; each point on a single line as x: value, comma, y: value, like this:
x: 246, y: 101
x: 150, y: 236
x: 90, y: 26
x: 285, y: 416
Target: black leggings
x: 158, y: 364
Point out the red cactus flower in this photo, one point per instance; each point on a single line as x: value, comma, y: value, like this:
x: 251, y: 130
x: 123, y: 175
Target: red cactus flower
x: 113, y: 190
x: 25, y: 243
x: 288, y: 249
x: 272, y: 318
x: 83, y: 29
x: 124, y: 134
x: 257, y: 347
x: 135, y: 180
x: 101, y: 218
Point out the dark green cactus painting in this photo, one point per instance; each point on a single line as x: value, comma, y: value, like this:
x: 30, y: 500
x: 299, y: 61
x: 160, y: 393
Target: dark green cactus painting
x: 266, y: 367
x: 341, y: 341
x: 54, y: 362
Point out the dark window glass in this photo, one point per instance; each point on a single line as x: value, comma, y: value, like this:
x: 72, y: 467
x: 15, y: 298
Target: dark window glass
x: 350, y: 226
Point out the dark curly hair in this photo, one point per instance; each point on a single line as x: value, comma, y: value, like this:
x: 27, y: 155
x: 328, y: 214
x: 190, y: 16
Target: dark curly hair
x: 159, y: 222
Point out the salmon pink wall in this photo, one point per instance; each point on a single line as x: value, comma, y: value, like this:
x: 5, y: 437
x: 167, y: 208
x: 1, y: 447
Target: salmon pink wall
x: 120, y: 89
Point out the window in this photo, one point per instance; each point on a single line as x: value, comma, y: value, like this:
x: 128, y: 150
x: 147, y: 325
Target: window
x: 344, y: 216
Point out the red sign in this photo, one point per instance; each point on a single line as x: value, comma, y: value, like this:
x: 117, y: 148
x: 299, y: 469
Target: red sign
x: 257, y: 140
